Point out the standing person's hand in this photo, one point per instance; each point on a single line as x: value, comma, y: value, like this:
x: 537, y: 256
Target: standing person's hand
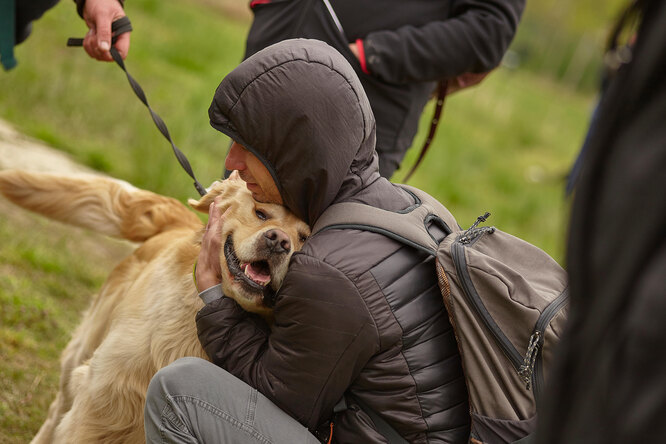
x: 98, y: 15
x: 465, y: 81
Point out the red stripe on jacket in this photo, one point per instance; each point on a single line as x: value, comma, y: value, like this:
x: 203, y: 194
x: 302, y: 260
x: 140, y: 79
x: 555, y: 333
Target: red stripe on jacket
x: 254, y: 3
x: 361, y: 56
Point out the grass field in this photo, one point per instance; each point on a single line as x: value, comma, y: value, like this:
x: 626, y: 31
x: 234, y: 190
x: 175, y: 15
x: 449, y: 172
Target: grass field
x: 503, y: 147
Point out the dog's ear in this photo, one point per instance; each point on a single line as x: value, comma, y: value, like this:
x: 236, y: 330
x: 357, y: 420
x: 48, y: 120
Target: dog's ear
x: 228, y: 188
x: 202, y: 204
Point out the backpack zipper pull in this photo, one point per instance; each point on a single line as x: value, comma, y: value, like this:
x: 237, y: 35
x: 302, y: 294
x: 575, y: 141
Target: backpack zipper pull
x: 527, y: 369
x: 479, y: 219
x: 465, y: 238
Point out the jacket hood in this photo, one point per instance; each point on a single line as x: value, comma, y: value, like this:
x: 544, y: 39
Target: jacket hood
x: 300, y: 108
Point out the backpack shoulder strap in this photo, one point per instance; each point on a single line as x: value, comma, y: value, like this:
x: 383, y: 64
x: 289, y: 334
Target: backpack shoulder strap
x: 409, y: 226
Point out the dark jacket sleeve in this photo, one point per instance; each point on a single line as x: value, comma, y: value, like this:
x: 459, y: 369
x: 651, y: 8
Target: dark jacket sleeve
x: 474, y: 39
x: 321, y: 338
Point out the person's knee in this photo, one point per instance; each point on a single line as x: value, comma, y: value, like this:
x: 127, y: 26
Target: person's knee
x: 175, y: 379
x: 172, y: 378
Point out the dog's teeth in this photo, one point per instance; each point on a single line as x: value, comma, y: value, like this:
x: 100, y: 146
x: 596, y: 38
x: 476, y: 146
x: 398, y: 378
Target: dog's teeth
x: 258, y: 277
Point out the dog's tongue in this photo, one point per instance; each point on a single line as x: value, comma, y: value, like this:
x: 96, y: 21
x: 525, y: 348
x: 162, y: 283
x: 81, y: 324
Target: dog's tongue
x: 257, y: 273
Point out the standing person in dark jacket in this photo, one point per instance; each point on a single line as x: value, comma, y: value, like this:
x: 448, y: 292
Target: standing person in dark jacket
x: 609, y: 384
x: 358, y: 313
x: 399, y: 49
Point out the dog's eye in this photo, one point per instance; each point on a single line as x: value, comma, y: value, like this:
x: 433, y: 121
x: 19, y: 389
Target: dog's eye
x: 302, y: 238
x: 261, y: 215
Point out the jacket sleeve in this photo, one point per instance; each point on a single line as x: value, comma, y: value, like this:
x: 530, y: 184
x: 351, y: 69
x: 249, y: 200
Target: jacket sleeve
x: 322, y: 336
x: 474, y: 39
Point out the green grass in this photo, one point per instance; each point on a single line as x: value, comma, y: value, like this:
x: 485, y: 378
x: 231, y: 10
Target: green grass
x: 503, y: 147
x: 88, y: 109
x: 506, y: 147
x: 564, y: 39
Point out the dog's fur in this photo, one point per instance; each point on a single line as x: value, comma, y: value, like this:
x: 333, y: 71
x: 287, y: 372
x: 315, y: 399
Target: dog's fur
x: 143, y: 317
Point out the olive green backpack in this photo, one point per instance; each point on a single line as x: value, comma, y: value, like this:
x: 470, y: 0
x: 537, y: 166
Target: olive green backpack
x: 506, y: 300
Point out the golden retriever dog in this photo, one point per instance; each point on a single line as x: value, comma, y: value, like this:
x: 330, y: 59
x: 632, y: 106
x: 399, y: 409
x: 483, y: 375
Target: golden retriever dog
x: 143, y: 317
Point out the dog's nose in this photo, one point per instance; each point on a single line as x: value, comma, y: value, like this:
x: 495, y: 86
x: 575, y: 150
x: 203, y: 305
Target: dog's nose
x: 277, y: 241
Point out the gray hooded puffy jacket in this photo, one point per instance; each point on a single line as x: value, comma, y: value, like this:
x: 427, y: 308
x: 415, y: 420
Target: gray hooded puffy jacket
x: 358, y: 312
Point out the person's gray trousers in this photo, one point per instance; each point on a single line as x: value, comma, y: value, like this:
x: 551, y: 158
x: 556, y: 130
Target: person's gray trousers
x: 195, y: 401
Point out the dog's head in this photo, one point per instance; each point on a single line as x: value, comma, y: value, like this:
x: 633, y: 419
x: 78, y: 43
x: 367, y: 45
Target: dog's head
x: 258, y: 240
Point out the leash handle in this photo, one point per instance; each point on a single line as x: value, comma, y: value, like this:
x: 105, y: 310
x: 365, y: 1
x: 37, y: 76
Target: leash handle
x: 121, y: 26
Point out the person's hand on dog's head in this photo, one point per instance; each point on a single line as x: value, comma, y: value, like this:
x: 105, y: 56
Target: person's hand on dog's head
x: 208, y: 270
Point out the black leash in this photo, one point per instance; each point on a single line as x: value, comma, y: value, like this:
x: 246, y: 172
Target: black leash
x: 121, y: 26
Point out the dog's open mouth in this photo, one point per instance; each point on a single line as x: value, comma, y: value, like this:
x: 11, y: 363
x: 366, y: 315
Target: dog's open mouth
x: 254, y: 276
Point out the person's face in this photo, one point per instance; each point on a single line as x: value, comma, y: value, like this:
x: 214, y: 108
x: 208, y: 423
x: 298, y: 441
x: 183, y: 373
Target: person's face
x: 254, y: 173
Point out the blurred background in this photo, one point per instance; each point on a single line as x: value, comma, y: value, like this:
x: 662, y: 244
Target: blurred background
x: 505, y: 146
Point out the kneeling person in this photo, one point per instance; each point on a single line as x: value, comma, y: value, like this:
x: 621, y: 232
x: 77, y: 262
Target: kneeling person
x: 358, y: 315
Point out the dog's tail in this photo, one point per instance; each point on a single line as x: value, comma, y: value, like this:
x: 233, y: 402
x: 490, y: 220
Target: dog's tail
x: 104, y: 205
